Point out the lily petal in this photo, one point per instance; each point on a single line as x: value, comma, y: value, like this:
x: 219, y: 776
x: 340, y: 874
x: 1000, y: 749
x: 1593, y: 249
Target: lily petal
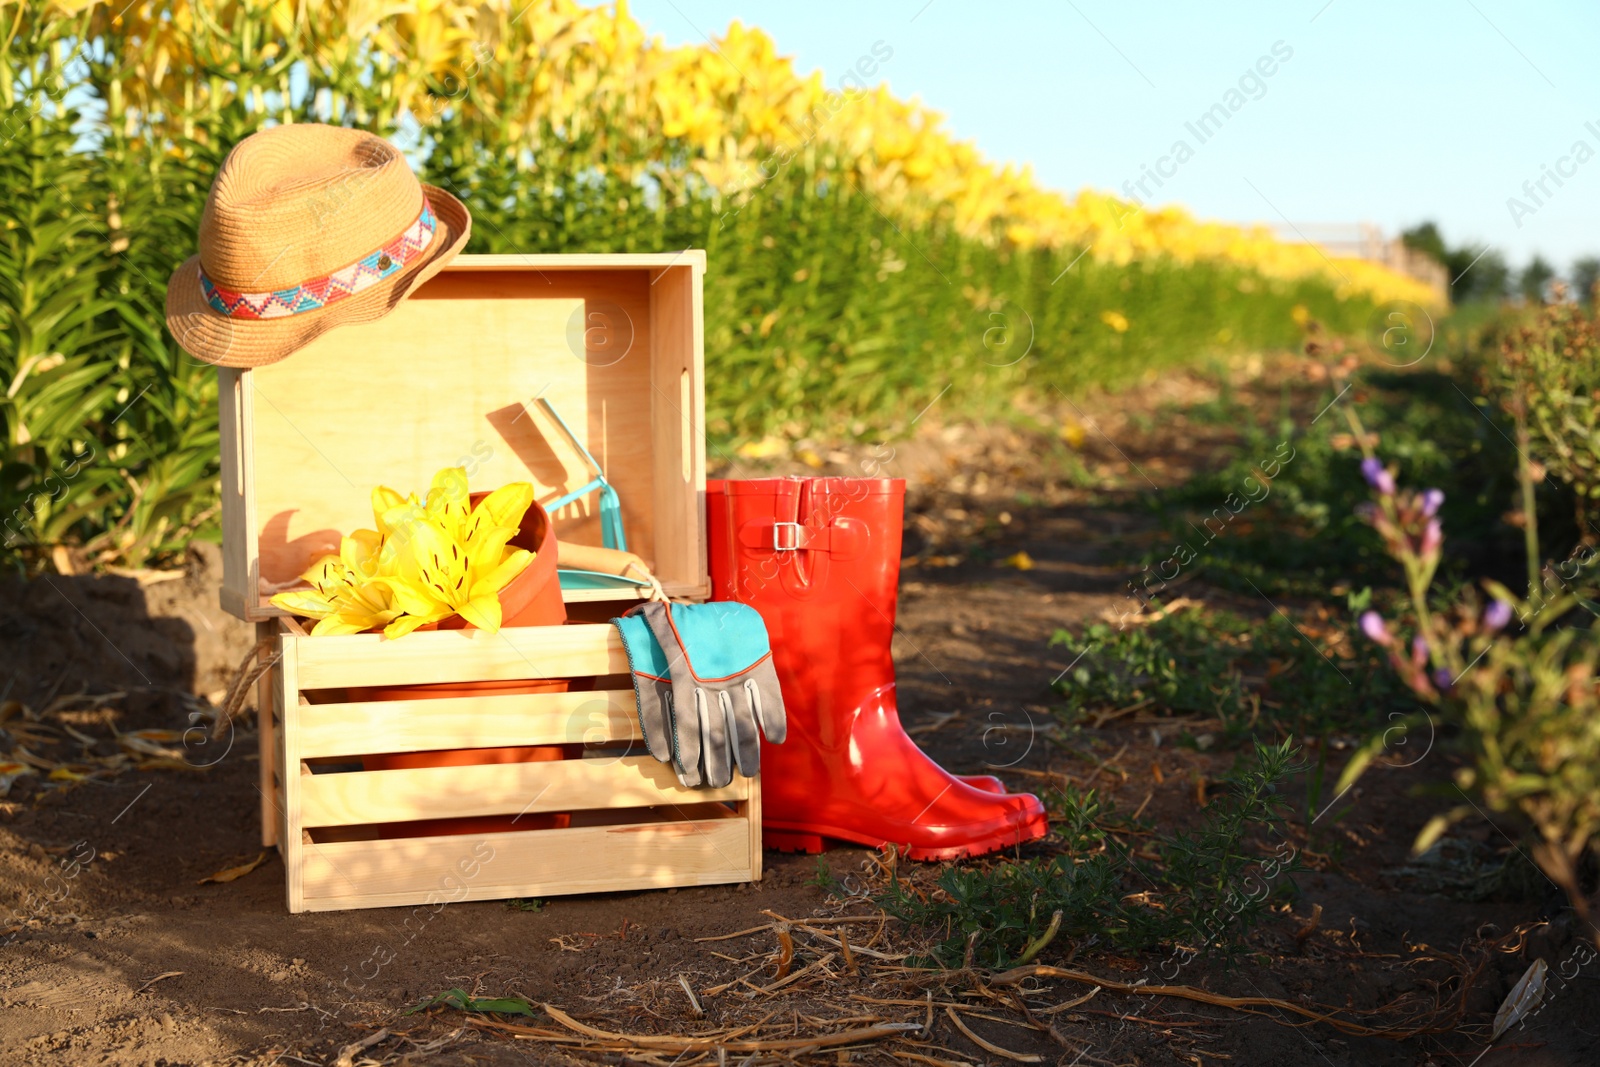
x: 359, y: 553
x: 508, y: 504
x: 304, y: 602
x: 482, y: 612
x: 384, y: 500
x: 328, y: 569
x: 415, y: 599
x: 488, y: 548
x: 404, y: 625
x: 515, y: 563
x: 448, y: 498
x: 335, y: 625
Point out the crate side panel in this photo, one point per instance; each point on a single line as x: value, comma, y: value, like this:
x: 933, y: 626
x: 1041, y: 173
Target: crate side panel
x: 679, y: 430
x: 435, y: 871
x: 362, y: 797
x: 364, y: 727
x: 461, y: 656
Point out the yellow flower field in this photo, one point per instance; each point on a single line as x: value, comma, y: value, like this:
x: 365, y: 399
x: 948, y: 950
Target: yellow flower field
x: 728, y: 112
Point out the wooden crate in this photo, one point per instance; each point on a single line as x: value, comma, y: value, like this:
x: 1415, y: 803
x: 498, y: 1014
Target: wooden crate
x: 449, y: 378
x: 615, y: 342
x: 633, y: 825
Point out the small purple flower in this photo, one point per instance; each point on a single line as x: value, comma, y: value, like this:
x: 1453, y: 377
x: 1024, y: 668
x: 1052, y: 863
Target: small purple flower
x: 1373, y: 626
x: 1442, y: 680
x: 1496, y: 616
x: 1377, y: 476
x: 1419, y: 650
x: 1431, y: 499
x: 1432, y: 538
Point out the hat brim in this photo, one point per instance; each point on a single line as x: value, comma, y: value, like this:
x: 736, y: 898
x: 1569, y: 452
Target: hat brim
x: 209, y: 335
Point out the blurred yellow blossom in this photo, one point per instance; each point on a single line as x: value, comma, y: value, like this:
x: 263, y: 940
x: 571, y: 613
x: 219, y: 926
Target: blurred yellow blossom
x: 727, y: 111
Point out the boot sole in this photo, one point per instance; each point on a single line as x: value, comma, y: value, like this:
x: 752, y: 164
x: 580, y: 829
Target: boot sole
x: 812, y: 842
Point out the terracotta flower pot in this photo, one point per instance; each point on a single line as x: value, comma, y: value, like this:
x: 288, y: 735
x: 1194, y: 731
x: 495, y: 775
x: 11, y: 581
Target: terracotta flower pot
x: 533, y: 598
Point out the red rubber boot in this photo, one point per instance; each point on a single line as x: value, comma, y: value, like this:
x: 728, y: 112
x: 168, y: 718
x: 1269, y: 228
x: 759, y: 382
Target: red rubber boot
x: 819, y: 558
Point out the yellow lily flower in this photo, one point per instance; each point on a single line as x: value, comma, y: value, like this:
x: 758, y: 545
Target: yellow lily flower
x: 347, y: 595
x: 439, y: 576
x: 427, y: 560
x: 446, y: 560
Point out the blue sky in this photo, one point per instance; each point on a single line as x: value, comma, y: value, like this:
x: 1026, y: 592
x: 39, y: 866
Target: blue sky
x: 1389, y: 113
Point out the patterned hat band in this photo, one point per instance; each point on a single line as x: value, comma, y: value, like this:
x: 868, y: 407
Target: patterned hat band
x: 364, y: 273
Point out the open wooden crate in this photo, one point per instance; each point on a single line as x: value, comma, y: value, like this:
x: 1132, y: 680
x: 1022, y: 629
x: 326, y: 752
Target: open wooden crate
x: 633, y: 826
x: 449, y: 379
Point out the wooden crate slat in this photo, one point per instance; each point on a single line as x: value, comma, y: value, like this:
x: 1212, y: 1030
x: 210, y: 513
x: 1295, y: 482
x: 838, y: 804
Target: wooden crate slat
x: 588, y: 859
x: 362, y: 727
x: 267, y: 741
x: 516, y: 652
x: 236, y: 428
x: 677, y: 426
x: 358, y: 797
x: 559, y: 261
x: 286, y: 702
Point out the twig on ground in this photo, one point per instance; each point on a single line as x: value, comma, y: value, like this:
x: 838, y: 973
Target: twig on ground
x: 347, y: 1055
x: 694, y: 1001
x: 1243, y: 1004
x: 918, y: 1057
x: 785, y: 949
x: 1073, y: 1003
x: 708, y: 1042
x: 849, y: 958
x: 160, y: 977
x: 990, y: 1046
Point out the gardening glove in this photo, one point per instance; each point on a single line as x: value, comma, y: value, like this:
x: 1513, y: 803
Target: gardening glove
x: 724, y: 688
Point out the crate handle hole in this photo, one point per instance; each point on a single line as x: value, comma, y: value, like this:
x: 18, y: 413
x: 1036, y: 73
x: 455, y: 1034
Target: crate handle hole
x: 685, y: 424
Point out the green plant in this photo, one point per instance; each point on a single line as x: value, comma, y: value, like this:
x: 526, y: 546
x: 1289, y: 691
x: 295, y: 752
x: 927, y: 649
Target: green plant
x: 109, y: 432
x: 1216, y: 664
x: 1183, y: 663
x: 1527, y: 701
x: 826, y: 315
x: 1204, y: 893
x: 1278, y: 517
x: 828, y: 318
x: 1548, y: 378
x: 1210, y: 876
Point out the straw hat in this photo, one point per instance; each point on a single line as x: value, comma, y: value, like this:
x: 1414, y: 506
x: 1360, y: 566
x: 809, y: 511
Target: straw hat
x: 307, y: 227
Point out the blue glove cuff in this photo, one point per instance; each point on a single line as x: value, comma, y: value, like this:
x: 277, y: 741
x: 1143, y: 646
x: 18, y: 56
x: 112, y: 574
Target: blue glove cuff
x: 719, y: 640
x: 644, y: 654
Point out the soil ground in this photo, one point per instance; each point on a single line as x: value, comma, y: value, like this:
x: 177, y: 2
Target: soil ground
x: 115, y: 953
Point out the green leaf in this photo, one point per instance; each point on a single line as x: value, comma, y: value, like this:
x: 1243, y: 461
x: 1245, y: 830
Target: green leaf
x: 460, y: 1000
x: 1436, y: 826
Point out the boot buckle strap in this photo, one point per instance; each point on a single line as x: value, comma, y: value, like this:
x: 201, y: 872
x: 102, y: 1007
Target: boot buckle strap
x: 842, y: 538
x: 793, y: 542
